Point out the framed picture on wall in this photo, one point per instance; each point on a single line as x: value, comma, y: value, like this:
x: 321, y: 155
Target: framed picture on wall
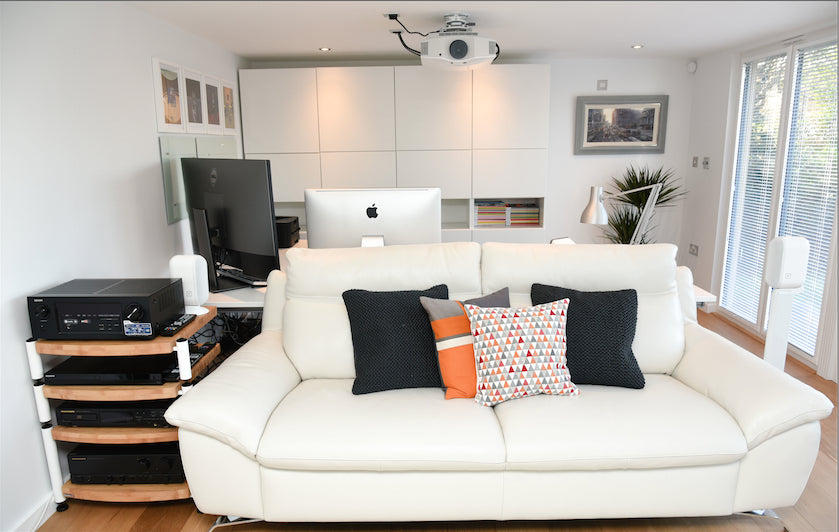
x: 213, y: 105
x: 194, y: 108
x: 620, y: 124
x: 168, y: 94
x: 228, y: 94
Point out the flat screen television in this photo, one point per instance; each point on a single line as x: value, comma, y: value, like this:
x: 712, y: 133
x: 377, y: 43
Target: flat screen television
x: 231, y: 208
x: 341, y: 218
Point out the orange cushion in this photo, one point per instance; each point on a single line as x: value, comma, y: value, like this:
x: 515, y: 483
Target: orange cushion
x: 455, y: 351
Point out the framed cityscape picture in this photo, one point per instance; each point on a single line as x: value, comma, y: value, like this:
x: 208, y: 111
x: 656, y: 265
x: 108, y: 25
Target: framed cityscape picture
x: 620, y: 124
x: 168, y: 96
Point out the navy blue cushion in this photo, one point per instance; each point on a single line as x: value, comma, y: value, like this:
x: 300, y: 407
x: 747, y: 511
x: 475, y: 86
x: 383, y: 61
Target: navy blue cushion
x: 393, y: 344
x: 600, y: 331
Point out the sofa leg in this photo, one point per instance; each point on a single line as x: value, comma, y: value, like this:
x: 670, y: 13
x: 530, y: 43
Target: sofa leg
x: 231, y: 520
x: 768, y: 512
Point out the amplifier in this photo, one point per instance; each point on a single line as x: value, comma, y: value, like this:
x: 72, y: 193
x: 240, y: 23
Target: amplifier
x: 107, y: 414
x: 147, y: 463
x: 105, y: 309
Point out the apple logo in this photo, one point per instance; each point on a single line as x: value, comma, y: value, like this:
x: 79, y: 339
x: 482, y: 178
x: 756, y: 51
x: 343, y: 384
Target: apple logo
x: 371, y: 211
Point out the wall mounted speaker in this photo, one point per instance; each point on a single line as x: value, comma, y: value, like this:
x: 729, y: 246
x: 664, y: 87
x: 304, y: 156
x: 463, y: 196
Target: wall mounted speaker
x: 193, y: 270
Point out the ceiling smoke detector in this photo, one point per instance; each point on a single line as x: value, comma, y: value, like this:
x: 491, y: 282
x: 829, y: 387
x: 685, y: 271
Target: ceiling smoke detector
x: 456, y: 44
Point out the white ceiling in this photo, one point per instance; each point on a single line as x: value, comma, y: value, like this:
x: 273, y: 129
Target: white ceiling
x: 358, y: 30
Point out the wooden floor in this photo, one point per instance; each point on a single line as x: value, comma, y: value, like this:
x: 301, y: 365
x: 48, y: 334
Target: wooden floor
x: 816, y: 511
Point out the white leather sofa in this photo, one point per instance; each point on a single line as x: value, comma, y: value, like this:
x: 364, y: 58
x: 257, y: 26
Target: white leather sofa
x: 276, y: 434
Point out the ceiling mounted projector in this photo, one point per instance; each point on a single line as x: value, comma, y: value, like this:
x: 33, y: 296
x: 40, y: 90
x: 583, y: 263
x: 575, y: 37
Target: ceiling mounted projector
x: 456, y: 44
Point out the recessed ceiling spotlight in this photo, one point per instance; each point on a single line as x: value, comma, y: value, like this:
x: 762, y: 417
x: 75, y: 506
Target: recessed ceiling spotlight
x: 325, y: 49
x: 637, y: 46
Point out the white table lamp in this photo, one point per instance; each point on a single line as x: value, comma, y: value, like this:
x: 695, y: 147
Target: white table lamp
x: 595, y: 212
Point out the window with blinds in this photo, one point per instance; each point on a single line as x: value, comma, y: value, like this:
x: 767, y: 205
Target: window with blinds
x: 800, y: 115
x: 808, y: 203
x: 763, y: 87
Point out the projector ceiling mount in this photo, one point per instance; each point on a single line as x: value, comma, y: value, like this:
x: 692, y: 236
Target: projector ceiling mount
x: 455, y: 44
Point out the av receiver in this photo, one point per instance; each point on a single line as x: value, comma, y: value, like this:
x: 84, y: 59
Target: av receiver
x: 105, y: 309
x: 147, y: 463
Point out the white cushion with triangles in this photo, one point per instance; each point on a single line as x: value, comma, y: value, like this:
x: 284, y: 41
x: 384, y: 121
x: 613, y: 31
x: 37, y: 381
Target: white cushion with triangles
x: 520, y: 351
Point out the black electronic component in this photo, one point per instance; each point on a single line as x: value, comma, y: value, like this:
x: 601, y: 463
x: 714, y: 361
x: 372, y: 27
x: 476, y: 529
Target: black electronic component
x: 155, y: 369
x: 148, y: 463
x: 288, y: 231
x: 105, y: 309
x: 231, y: 208
x: 113, y: 414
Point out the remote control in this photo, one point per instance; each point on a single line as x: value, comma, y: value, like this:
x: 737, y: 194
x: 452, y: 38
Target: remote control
x: 198, y: 351
x: 171, y: 328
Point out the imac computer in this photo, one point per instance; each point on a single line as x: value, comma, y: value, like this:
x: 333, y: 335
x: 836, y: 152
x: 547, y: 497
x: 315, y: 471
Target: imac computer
x: 342, y: 218
x: 231, y: 207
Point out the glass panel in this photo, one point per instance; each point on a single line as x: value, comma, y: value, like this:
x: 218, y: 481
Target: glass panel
x: 763, y: 85
x: 810, y: 181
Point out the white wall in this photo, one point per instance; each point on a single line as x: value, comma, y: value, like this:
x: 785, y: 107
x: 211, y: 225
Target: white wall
x: 570, y: 176
x: 715, y: 95
x: 81, y: 183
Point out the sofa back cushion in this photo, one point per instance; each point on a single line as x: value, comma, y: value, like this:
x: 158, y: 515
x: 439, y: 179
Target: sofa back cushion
x: 316, y: 327
x: 648, y: 269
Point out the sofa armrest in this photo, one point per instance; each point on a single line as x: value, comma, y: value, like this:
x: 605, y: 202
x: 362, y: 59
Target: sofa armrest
x: 234, y: 402
x: 763, y: 400
x: 272, y: 313
x: 687, y: 297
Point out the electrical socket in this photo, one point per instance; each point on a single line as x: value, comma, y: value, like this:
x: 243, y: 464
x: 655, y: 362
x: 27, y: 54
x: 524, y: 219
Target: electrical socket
x: 693, y: 249
x: 706, y: 163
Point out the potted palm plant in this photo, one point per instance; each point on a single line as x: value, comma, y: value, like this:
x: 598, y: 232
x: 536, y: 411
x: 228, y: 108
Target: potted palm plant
x: 627, y: 212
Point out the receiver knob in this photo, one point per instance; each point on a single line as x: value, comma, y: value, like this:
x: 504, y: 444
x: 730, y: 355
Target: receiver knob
x: 42, y: 311
x: 133, y: 312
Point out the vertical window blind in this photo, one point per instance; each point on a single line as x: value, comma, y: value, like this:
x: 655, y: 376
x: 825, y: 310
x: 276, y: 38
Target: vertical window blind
x: 807, y: 177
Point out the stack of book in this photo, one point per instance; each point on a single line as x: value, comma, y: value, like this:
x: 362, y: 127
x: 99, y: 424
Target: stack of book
x: 492, y: 213
x: 523, y: 214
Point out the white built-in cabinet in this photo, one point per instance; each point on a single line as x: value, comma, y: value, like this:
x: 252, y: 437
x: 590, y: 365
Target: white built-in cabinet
x: 476, y: 134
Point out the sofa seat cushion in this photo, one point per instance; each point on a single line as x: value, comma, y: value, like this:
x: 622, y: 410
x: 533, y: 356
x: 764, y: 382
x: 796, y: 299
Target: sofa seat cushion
x: 666, y: 424
x: 321, y: 425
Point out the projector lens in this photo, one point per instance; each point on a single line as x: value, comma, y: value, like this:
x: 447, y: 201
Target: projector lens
x: 458, y: 49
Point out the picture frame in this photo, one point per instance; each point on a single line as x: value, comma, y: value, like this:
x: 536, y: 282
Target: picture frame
x: 168, y: 96
x: 213, y: 107
x: 194, y: 108
x: 620, y: 124
x: 229, y: 99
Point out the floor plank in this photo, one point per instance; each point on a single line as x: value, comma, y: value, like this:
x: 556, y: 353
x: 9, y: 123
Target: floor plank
x: 816, y: 511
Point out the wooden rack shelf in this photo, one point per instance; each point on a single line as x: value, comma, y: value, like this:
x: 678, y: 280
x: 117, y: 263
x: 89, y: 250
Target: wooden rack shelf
x: 159, y: 345
x: 126, y: 392
x: 115, y: 435
x: 126, y: 492
x: 103, y: 393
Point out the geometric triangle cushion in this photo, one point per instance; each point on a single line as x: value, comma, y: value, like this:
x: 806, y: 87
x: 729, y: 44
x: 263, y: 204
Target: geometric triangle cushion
x: 520, y: 351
